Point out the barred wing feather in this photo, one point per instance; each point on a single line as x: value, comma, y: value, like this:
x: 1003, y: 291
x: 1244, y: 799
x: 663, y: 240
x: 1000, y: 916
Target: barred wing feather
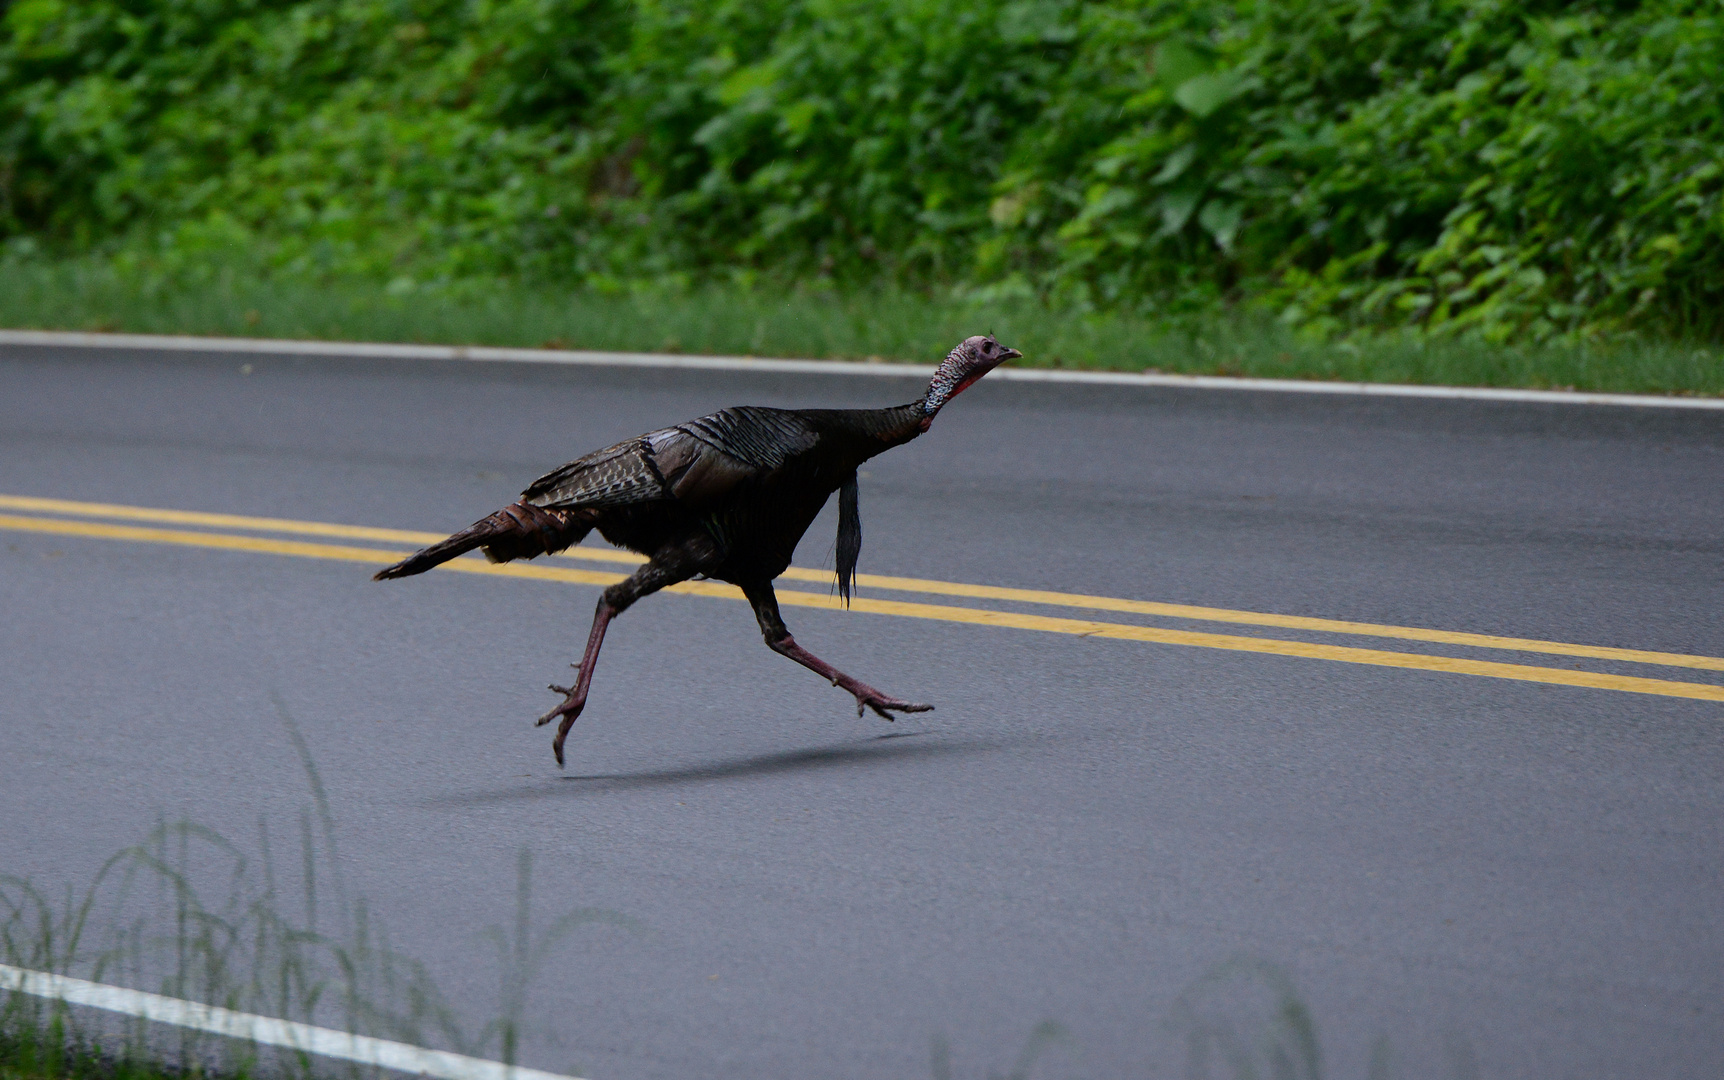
x: 615, y: 476
x: 699, y: 462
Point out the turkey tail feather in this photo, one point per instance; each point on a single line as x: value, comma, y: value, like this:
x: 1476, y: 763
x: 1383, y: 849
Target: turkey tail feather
x: 849, y: 536
x: 518, y: 531
x: 435, y: 555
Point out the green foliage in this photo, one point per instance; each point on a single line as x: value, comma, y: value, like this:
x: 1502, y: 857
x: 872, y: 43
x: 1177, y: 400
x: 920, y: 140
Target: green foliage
x: 1361, y: 162
x: 356, y: 134
x: 1511, y: 169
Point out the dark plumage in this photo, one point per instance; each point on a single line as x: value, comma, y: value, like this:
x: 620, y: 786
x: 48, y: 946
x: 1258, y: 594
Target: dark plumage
x: 725, y: 496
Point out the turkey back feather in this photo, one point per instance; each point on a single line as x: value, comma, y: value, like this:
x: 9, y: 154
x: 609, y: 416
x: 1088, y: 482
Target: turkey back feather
x: 849, y: 535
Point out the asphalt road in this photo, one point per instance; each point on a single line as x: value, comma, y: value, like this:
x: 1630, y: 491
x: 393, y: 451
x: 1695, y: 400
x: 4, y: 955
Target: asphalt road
x: 1487, y: 877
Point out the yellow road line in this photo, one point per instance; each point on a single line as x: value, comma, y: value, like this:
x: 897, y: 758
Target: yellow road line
x: 214, y: 521
x: 908, y: 584
x: 1277, y: 647
x: 1286, y: 622
x: 903, y: 609
x: 260, y: 524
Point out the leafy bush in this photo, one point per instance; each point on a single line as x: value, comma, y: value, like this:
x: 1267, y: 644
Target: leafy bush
x: 1508, y: 168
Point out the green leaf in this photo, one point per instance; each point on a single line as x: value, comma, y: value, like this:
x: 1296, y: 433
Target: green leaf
x: 1177, y: 63
x: 1201, y: 95
x: 1176, y: 164
x: 1176, y: 209
x: 1220, y: 218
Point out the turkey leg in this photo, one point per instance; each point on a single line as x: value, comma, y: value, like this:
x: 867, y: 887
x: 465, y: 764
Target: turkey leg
x: 649, y: 579
x: 778, y: 639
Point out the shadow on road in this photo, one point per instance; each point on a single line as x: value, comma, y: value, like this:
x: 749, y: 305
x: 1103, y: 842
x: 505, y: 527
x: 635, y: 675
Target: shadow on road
x: 880, y: 750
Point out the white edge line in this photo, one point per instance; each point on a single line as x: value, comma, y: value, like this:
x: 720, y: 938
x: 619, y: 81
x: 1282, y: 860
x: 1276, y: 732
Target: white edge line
x: 486, y: 353
x: 267, y: 1031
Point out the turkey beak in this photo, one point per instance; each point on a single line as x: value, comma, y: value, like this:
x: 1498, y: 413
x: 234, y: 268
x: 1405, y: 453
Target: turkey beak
x: 1009, y: 354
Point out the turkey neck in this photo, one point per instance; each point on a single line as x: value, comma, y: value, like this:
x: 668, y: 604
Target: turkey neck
x: 867, y: 432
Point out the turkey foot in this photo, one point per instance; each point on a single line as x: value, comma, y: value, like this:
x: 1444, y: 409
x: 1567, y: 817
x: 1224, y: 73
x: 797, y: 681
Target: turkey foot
x: 574, y: 701
x: 866, y: 696
x: 575, y: 697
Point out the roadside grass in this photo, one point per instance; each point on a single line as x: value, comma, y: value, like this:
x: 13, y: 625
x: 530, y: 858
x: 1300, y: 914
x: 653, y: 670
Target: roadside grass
x: 55, y: 1054
x: 189, y: 914
x: 777, y: 320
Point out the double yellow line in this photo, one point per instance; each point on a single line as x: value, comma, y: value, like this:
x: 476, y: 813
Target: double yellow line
x: 977, y: 616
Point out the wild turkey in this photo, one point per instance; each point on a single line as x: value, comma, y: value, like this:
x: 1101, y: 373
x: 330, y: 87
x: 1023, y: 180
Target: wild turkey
x: 726, y: 496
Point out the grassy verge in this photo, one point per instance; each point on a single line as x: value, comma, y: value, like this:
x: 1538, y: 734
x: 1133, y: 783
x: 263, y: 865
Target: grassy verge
x: 191, y: 914
x: 54, y: 1055
x: 765, y: 321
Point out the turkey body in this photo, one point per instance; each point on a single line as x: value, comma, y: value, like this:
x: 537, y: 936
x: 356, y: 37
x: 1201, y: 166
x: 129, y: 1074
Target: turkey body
x: 735, y: 490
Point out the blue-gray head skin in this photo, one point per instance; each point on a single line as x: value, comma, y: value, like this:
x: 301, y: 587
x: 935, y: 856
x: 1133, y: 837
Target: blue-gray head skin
x: 973, y: 358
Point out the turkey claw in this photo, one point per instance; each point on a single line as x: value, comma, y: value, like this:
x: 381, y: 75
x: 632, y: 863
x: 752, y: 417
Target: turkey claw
x: 880, y: 704
x: 571, y: 706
